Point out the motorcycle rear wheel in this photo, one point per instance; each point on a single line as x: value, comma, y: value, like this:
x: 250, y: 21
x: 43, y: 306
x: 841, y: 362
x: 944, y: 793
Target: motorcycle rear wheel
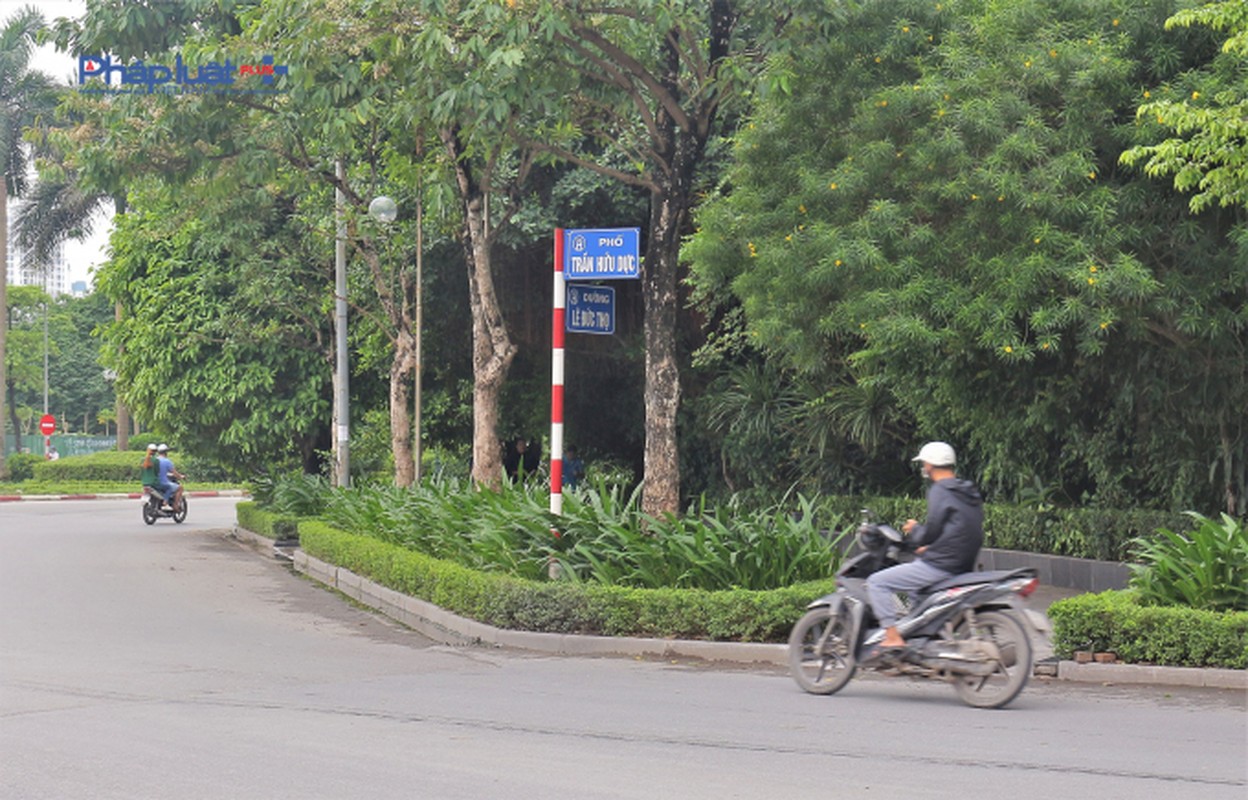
x: 1012, y: 671
x: 821, y: 657
x: 149, y: 516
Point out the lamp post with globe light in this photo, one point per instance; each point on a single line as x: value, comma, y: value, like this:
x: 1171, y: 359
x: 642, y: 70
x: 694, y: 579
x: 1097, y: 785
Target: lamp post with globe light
x: 384, y: 210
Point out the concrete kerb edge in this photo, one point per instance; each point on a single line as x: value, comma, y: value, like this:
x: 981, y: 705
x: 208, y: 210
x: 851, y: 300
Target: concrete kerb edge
x: 1144, y: 674
x: 443, y: 626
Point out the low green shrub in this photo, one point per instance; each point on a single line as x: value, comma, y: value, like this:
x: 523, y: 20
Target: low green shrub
x: 269, y: 524
x: 561, y: 607
x: 1206, y: 568
x: 93, y: 487
x: 1167, y: 635
x: 21, y: 466
x: 107, y: 465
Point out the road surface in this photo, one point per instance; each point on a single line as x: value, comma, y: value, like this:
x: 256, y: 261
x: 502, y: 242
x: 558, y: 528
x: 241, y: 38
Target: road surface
x: 171, y: 662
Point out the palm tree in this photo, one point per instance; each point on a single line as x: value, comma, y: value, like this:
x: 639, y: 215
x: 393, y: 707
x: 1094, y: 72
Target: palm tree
x: 24, y: 94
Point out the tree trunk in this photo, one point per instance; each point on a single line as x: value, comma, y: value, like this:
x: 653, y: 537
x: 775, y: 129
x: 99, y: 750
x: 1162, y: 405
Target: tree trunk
x: 680, y: 150
x: 661, y: 494
x: 402, y: 368
x: 492, y: 348
x: 11, y: 391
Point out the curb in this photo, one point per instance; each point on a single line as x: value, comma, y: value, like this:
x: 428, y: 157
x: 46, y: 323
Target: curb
x: 443, y: 626
x: 29, y: 498
x: 1144, y: 674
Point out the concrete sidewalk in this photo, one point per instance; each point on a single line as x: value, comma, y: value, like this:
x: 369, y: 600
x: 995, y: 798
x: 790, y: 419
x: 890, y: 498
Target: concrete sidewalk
x: 443, y: 626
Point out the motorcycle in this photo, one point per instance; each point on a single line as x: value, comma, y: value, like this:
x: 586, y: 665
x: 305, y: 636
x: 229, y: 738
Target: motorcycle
x: 970, y: 630
x: 157, y: 506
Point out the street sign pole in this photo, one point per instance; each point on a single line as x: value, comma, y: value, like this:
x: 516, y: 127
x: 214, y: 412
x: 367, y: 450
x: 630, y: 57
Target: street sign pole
x: 556, y: 380
x: 47, y: 426
x: 589, y: 254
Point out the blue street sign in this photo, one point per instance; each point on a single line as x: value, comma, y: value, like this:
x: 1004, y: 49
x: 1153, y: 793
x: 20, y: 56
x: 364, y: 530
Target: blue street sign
x: 590, y: 309
x: 601, y: 254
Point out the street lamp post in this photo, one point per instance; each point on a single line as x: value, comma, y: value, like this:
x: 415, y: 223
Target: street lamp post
x: 342, y: 388
x: 385, y: 211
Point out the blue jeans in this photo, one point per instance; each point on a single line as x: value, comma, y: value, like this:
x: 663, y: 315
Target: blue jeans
x: 905, y: 578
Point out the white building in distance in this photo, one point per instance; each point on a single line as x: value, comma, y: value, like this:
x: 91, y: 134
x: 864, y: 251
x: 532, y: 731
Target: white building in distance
x: 53, y: 278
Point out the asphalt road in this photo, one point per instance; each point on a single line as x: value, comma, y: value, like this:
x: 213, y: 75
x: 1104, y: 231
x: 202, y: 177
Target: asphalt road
x: 171, y: 662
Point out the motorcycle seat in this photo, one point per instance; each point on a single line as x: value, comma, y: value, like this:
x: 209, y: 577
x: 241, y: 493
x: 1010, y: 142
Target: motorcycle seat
x: 969, y: 578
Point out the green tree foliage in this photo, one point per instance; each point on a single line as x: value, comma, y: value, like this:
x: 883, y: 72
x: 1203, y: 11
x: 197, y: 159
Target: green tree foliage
x: 76, y: 386
x: 1207, y: 111
x: 217, y: 348
x: 927, y: 204
x: 24, y: 358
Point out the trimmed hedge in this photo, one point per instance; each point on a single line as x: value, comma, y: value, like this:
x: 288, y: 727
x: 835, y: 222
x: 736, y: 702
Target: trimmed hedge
x: 1101, y: 534
x: 36, y: 488
x: 1165, y: 635
x: 267, y: 523
x: 564, y: 607
x: 107, y: 465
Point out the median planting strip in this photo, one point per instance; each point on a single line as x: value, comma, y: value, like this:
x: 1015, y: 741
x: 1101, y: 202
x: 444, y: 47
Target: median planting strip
x: 441, y: 625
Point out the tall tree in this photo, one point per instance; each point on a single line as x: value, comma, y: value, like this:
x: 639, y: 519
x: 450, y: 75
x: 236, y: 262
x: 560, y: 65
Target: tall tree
x: 223, y: 344
x: 27, y: 307
x: 651, y: 79
x: 24, y: 94
x: 934, y: 210
x: 473, y: 81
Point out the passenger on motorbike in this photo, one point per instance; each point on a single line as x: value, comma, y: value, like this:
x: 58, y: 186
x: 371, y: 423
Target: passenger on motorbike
x: 946, y: 544
x: 147, y: 471
x: 164, y: 471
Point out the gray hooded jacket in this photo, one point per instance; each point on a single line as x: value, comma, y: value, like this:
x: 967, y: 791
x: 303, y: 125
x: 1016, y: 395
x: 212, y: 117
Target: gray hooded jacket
x: 954, y: 530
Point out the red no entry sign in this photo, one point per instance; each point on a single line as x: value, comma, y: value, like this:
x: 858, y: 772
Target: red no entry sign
x: 47, y: 424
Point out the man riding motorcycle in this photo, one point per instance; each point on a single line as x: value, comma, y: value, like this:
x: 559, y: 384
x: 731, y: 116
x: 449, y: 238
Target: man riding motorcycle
x: 164, y: 472
x: 947, y: 543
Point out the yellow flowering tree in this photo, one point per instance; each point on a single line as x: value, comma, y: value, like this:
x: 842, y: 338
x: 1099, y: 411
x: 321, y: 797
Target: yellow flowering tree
x: 1207, y: 112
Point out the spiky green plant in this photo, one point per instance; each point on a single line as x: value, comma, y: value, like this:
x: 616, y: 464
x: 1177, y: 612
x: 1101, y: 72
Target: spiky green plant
x: 1206, y: 568
x: 601, y: 537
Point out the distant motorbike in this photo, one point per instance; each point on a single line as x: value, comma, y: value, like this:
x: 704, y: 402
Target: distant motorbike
x: 971, y: 630
x: 157, y: 506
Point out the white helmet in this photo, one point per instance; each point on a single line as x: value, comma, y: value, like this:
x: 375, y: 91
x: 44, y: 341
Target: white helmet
x: 938, y: 454
x: 164, y: 448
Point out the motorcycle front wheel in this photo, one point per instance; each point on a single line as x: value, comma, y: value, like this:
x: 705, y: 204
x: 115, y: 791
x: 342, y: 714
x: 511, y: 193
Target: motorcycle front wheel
x: 1012, y: 670
x: 179, y: 516
x: 821, y: 657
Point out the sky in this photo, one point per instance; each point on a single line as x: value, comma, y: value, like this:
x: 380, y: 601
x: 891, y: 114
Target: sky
x: 85, y: 255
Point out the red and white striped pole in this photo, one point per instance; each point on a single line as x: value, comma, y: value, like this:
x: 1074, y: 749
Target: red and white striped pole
x: 556, y: 381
